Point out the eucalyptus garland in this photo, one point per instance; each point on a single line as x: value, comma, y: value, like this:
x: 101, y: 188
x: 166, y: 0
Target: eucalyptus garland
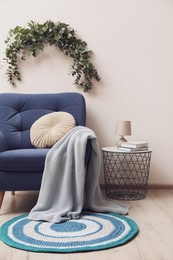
x: 32, y: 39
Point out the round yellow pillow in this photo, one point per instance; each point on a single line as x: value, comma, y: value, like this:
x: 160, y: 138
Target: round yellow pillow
x: 50, y: 128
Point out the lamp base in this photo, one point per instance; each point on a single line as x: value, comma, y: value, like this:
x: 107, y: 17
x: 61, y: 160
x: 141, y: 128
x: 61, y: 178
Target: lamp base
x: 120, y: 141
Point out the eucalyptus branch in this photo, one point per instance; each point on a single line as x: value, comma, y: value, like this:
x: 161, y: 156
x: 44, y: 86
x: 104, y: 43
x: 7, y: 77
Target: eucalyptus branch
x: 31, y: 40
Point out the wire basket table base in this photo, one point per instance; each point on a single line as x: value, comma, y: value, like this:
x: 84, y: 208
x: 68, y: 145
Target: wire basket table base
x: 126, y: 174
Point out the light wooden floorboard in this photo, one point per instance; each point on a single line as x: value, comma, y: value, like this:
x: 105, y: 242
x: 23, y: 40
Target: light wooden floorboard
x: 154, y: 216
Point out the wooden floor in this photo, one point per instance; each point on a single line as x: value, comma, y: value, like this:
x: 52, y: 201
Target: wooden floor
x: 154, y: 216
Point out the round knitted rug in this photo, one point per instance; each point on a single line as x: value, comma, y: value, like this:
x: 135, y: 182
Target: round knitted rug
x: 93, y: 231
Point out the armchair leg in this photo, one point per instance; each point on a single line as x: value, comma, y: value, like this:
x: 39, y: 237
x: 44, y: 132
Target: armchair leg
x: 2, y: 193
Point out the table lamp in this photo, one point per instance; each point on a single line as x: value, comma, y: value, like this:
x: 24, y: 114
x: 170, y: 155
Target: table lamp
x: 122, y: 128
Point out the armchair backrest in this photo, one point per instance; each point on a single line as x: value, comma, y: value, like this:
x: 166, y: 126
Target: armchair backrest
x: 19, y: 111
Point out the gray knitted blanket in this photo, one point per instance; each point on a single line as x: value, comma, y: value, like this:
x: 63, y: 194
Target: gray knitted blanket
x: 67, y: 185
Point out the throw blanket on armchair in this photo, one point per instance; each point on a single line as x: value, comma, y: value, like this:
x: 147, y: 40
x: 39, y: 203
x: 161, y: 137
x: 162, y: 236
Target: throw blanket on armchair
x: 68, y: 184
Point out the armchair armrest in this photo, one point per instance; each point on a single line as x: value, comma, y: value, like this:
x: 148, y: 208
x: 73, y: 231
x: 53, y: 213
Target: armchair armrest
x: 3, y: 143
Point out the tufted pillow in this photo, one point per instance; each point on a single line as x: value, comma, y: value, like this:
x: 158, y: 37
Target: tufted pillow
x: 50, y: 128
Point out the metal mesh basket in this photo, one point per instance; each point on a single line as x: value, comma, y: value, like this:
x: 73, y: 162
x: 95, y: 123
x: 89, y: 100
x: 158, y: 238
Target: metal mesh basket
x: 126, y: 174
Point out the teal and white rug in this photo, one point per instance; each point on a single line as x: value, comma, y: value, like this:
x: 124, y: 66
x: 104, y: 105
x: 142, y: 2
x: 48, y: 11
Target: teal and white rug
x: 93, y: 231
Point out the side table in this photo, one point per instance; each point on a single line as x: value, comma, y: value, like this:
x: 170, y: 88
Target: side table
x: 126, y: 173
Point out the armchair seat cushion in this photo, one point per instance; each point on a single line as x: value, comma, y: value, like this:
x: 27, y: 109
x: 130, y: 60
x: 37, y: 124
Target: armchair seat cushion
x: 23, y: 160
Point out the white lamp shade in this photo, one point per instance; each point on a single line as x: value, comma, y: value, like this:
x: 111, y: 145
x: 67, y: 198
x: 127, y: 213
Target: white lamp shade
x: 123, y: 128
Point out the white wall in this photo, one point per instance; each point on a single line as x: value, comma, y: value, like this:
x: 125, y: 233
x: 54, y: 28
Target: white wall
x: 133, y: 52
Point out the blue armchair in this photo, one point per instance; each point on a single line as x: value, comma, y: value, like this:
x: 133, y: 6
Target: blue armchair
x: 21, y: 164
